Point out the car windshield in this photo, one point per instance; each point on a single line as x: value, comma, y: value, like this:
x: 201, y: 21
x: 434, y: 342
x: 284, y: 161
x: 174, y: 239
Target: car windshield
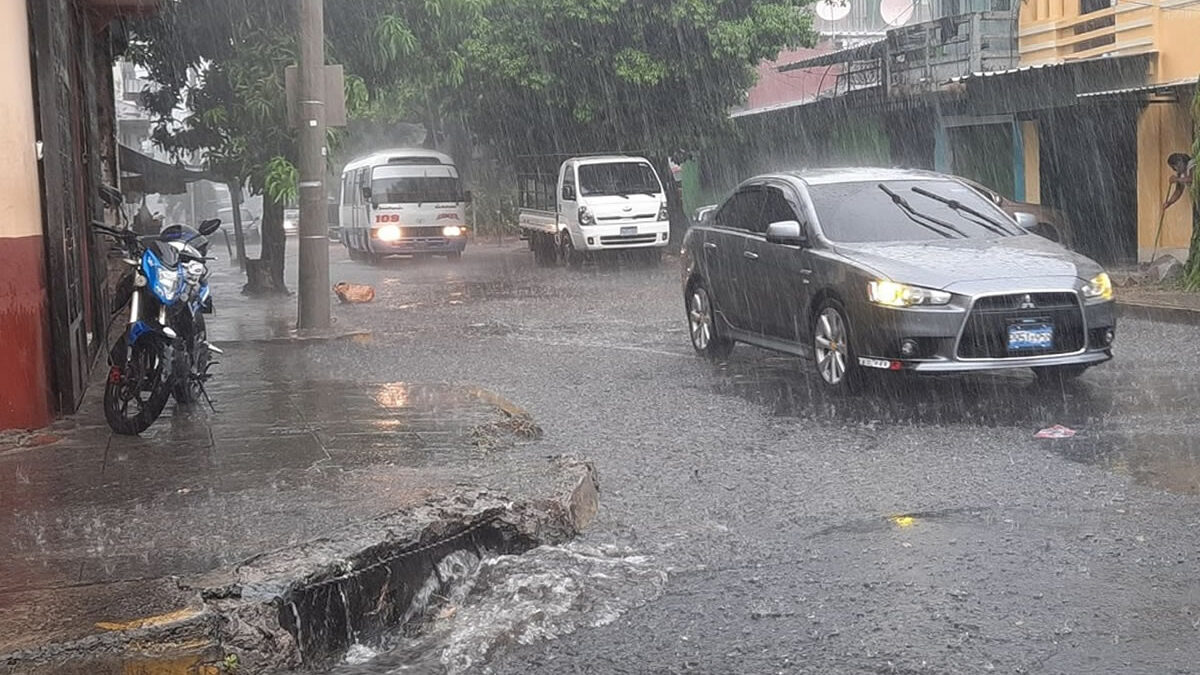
x: 862, y: 212
x: 412, y: 185
x: 618, y: 178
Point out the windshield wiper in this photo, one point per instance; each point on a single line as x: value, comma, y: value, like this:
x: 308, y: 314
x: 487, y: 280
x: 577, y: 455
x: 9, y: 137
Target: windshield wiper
x: 989, y: 223
x: 915, y: 215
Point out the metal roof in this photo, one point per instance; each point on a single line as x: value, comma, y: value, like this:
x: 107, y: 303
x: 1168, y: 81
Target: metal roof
x: 1044, y: 66
x: 869, y: 50
x: 1187, y: 81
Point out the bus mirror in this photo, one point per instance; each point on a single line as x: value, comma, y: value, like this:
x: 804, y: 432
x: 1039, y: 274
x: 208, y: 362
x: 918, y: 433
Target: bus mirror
x: 467, y: 196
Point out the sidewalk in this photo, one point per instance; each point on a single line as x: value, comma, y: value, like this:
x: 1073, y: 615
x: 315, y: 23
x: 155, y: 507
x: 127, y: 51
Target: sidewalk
x: 148, y: 554
x: 1156, y: 303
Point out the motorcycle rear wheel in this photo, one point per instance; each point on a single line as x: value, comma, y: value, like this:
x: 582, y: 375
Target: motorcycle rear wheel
x: 134, y: 396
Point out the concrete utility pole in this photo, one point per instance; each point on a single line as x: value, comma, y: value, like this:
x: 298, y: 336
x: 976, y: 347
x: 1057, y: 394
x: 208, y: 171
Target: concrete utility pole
x: 314, y: 214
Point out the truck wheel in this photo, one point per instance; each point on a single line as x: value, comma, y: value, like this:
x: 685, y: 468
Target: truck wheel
x: 544, y: 253
x: 566, y: 250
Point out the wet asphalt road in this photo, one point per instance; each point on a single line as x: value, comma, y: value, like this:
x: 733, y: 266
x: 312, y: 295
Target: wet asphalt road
x: 918, y: 527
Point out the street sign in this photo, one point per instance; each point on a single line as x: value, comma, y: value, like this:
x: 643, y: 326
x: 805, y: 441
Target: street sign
x: 335, y: 96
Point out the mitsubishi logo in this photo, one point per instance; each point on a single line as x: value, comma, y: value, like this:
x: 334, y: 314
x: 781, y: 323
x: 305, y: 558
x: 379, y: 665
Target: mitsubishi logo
x: 1027, y: 302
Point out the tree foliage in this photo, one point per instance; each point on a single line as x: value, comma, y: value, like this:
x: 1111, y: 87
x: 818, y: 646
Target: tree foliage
x: 594, y: 75
x: 1191, y: 271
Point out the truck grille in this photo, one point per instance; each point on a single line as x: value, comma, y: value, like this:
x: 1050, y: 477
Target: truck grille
x: 985, y: 334
x: 629, y: 239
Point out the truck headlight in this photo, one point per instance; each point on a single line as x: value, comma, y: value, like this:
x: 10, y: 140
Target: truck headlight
x: 1099, y: 287
x: 892, y: 294
x: 663, y: 214
x: 452, y: 231
x: 586, y: 217
x: 389, y: 233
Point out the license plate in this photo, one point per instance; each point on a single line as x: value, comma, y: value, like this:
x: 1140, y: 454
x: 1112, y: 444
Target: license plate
x: 628, y: 231
x: 1028, y: 337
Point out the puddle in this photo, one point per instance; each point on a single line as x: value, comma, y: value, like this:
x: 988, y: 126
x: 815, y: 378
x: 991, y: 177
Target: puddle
x: 547, y: 592
x: 1169, y: 462
x: 905, y: 521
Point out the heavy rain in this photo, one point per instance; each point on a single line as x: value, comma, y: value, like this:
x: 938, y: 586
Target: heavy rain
x: 600, y: 336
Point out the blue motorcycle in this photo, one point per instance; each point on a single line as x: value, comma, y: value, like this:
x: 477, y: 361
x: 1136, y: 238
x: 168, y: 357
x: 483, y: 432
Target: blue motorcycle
x: 164, y: 350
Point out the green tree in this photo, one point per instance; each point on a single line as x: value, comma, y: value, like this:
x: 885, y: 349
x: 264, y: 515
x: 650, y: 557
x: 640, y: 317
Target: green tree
x: 1191, y: 270
x: 651, y: 76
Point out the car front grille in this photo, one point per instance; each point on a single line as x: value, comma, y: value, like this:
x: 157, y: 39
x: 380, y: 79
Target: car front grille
x: 985, y: 334
x: 629, y: 239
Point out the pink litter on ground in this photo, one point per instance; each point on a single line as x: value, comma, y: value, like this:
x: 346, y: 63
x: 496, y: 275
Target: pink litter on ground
x: 1056, y: 431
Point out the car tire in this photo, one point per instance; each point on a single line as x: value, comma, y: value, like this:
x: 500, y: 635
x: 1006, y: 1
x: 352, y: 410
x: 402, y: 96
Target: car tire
x: 703, y: 327
x: 1058, y: 375
x: 566, y: 251
x: 544, y: 251
x: 833, y: 351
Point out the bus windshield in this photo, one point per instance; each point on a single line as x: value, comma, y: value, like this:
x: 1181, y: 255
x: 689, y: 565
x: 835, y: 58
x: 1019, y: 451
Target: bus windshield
x: 415, y: 184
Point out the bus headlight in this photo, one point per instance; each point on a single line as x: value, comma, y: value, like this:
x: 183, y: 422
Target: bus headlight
x: 452, y: 231
x: 389, y: 233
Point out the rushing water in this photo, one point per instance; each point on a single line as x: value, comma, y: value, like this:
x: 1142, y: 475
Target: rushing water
x: 510, y: 600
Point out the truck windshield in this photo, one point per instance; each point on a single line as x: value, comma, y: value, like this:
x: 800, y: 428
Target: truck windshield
x: 618, y: 178
x: 415, y: 184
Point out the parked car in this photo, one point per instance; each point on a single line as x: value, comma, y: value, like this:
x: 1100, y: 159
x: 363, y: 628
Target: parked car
x: 1047, y: 222
x: 250, y: 224
x: 891, y: 270
x: 291, y: 222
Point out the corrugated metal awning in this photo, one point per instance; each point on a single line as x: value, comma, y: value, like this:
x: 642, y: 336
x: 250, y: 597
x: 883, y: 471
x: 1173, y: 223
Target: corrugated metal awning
x: 1164, y: 88
x: 870, y: 50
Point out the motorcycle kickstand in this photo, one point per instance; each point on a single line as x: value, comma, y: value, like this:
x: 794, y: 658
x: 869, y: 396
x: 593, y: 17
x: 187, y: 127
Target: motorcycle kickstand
x: 204, y: 393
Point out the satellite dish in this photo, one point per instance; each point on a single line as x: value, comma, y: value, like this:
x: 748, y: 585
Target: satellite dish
x: 833, y: 10
x: 897, y: 12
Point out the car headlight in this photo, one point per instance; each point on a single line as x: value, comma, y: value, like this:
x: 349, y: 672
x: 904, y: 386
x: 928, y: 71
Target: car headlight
x: 389, y: 233
x: 892, y: 294
x: 1099, y: 287
x: 663, y: 213
x: 452, y: 231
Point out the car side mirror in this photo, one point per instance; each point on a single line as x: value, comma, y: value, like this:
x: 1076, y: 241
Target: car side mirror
x: 1027, y: 221
x: 568, y: 193
x: 787, y: 232
x: 207, y: 227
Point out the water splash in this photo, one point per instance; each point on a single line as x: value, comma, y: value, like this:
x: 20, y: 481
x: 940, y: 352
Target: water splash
x: 543, y: 594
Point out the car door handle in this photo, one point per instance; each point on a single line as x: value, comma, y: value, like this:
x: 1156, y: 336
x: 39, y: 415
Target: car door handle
x: 749, y: 255
x: 710, y: 246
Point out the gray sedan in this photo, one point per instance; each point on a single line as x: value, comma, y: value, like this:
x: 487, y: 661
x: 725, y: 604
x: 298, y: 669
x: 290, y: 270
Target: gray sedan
x: 891, y: 270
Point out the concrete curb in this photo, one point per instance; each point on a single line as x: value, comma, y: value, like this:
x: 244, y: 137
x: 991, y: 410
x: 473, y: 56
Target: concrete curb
x: 355, y: 335
x: 1162, y: 313
x: 302, y: 605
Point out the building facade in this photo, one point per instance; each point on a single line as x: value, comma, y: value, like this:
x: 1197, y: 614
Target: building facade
x: 1064, y: 103
x: 60, y: 137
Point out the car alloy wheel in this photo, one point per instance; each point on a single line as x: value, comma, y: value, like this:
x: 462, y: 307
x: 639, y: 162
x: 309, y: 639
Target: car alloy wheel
x: 702, y: 324
x: 831, y: 346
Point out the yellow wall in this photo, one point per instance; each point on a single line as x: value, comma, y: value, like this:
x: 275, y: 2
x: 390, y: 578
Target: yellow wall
x: 1178, y: 41
x: 1031, y: 146
x: 20, y: 204
x: 1162, y: 130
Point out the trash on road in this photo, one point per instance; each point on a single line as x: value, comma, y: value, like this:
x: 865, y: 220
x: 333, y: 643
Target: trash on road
x: 1056, y: 431
x: 353, y: 293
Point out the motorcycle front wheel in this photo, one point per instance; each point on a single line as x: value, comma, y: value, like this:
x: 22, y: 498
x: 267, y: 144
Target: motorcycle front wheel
x: 135, y: 395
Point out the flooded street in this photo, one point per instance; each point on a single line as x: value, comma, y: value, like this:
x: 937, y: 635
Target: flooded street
x: 917, y: 523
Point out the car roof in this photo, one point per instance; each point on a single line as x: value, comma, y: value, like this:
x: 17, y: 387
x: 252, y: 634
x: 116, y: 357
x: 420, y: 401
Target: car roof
x: 858, y: 175
x: 606, y: 159
x: 382, y: 157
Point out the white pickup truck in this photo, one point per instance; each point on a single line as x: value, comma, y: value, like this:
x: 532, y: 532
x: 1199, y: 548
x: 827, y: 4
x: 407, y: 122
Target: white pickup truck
x: 597, y: 203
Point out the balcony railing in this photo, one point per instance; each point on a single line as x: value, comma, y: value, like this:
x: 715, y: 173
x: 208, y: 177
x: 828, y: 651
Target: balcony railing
x: 1060, y: 30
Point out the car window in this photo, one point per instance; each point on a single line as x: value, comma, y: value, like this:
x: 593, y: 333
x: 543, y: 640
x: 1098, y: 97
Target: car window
x: 862, y: 212
x: 743, y: 210
x: 775, y: 209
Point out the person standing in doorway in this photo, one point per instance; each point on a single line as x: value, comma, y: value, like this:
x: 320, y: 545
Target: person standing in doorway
x: 1185, y: 170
